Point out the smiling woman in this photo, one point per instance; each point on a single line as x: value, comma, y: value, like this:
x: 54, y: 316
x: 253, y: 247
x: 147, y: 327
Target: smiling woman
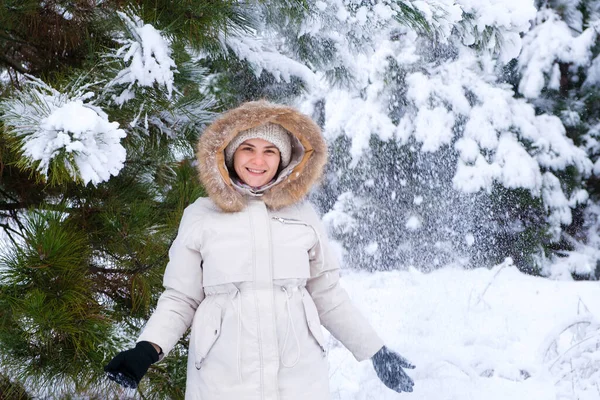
x: 252, y: 274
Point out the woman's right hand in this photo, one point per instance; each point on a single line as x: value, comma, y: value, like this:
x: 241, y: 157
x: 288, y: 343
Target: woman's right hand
x: 128, y: 367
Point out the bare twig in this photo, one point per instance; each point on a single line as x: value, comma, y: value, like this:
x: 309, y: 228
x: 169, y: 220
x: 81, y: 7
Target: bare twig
x: 596, y: 335
x: 15, y: 217
x: 504, y: 265
x: 581, y: 303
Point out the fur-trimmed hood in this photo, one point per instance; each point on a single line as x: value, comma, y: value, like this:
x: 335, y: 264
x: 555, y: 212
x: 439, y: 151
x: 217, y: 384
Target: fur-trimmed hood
x: 309, y: 149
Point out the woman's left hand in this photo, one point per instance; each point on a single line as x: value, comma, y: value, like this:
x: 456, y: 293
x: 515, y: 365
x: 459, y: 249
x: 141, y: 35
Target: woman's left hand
x: 389, y: 368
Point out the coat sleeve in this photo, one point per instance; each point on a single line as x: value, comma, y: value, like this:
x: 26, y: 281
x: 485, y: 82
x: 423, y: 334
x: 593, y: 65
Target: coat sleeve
x: 183, y: 286
x: 336, y: 311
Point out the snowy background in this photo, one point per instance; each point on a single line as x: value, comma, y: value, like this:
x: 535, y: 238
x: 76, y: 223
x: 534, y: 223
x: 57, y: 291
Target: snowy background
x: 483, y: 334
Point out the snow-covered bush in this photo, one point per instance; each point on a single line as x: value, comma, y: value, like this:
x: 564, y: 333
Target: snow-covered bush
x: 583, y: 258
x: 551, y: 42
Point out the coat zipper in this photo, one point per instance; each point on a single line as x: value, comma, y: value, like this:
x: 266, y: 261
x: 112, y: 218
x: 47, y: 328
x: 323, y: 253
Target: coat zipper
x: 270, y: 239
x: 291, y: 221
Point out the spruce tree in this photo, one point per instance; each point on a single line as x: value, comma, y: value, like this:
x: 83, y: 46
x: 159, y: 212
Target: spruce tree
x: 564, y: 80
x: 432, y: 150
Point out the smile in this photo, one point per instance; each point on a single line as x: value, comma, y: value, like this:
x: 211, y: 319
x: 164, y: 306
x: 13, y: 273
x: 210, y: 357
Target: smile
x: 256, y: 171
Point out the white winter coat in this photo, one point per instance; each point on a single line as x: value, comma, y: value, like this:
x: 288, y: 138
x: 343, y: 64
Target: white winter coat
x: 255, y: 279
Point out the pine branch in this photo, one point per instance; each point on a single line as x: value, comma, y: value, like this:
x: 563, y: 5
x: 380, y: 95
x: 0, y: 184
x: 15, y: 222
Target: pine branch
x: 12, y: 206
x: 15, y: 217
x: 23, y: 205
x: 140, y: 268
x: 12, y: 39
x: 7, y: 195
x: 8, y: 230
x: 18, y: 38
x: 12, y: 64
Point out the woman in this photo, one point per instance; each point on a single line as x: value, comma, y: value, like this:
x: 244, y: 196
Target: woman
x: 252, y: 273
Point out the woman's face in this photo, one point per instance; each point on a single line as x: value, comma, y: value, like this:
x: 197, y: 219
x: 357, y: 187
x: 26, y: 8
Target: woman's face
x: 256, y: 161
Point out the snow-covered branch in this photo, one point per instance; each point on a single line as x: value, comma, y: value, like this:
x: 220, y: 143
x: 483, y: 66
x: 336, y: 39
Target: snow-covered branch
x: 64, y: 131
x: 147, y: 54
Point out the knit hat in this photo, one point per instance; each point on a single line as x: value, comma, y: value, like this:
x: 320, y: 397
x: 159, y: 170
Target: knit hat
x: 273, y: 133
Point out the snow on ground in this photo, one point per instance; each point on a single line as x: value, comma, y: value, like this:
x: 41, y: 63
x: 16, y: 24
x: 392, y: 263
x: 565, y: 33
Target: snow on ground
x: 476, y: 334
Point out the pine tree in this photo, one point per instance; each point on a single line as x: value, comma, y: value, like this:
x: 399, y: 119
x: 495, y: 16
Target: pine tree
x: 101, y: 104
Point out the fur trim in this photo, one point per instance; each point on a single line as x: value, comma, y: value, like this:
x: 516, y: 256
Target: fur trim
x: 211, y: 159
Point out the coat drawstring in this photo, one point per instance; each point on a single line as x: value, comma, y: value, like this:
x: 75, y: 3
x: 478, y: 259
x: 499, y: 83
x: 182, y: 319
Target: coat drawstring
x: 287, y: 332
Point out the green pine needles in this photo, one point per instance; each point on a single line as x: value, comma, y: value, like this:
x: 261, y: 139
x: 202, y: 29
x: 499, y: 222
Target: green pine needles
x: 52, y: 324
x: 87, y: 215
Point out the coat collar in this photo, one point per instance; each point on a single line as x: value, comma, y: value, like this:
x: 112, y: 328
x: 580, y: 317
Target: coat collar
x: 309, y: 151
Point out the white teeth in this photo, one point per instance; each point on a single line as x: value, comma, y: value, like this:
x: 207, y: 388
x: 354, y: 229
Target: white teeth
x: 256, y: 171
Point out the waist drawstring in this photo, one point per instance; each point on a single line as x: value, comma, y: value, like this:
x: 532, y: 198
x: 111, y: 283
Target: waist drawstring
x: 287, y: 332
x: 237, y: 304
x: 239, y: 332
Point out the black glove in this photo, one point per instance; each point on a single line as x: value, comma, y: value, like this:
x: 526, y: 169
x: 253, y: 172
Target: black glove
x: 129, y: 366
x: 388, y: 366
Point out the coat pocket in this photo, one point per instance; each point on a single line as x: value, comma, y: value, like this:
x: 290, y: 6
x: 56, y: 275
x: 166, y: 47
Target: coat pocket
x: 207, y: 329
x: 313, y: 321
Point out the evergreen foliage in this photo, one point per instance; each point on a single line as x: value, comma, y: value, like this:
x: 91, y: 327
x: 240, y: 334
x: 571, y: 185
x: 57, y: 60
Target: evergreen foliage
x: 566, y: 85
x: 12, y: 391
x: 414, y: 126
x: 86, y: 233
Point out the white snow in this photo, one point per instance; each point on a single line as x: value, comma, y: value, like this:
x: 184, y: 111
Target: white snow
x: 508, y: 17
x: 338, y: 218
x: 59, y: 9
x: 372, y: 248
x: 549, y: 42
x: 583, y: 258
x: 86, y: 133
x: 147, y: 54
x: 413, y: 223
x: 260, y: 58
x: 321, y: 5
x: 460, y: 101
x: 469, y: 239
x: 476, y: 334
x: 490, y: 129
x: 55, y: 127
x: 433, y: 128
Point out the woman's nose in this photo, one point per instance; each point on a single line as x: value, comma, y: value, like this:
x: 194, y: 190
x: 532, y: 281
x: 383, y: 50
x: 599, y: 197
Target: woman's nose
x: 259, y: 160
